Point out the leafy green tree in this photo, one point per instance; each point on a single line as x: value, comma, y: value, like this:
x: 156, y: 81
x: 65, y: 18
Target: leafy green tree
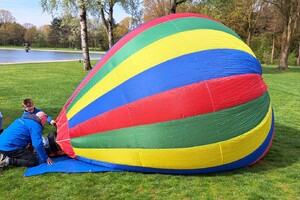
x: 6, y: 17
x: 77, y: 6
x: 290, y: 13
x: 55, y: 33
x: 42, y: 38
x: 95, y: 34
x: 135, y: 10
x: 71, y: 30
x: 106, y: 14
x: 122, y: 28
x: 30, y: 34
x: 155, y: 8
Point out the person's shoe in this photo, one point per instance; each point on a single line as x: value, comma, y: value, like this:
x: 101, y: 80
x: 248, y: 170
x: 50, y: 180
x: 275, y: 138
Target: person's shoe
x: 3, y: 160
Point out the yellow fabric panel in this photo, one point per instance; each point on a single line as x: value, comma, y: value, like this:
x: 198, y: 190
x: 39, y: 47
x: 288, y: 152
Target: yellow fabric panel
x: 186, y: 158
x: 162, y: 50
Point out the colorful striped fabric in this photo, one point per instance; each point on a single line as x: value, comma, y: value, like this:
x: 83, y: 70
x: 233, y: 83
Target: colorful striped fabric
x: 181, y: 94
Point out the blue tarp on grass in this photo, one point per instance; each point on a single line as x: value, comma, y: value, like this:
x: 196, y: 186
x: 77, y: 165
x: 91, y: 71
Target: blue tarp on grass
x: 65, y: 164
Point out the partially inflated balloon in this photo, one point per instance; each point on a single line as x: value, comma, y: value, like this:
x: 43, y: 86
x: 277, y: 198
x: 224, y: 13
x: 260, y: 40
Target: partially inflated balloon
x: 181, y: 94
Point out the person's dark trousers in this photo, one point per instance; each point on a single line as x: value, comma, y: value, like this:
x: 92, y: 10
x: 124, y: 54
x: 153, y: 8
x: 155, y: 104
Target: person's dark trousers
x: 21, y: 157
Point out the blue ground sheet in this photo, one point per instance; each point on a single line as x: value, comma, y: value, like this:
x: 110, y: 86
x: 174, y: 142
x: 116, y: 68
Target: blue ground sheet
x: 65, y: 164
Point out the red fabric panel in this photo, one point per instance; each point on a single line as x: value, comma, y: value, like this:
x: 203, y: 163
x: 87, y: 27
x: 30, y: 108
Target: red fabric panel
x: 187, y: 101
x: 235, y: 90
x: 63, y: 137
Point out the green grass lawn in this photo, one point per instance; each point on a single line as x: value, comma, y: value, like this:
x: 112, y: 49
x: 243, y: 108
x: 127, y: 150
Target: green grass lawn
x: 50, y: 85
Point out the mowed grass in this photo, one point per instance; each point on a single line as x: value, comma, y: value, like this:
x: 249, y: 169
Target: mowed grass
x: 50, y: 85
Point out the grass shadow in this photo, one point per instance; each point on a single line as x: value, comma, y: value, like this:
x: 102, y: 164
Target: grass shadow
x: 275, y: 70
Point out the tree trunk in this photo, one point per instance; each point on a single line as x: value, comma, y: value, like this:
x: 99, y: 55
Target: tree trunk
x: 298, y: 59
x: 273, y: 49
x: 283, y: 65
x: 249, y: 37
x: 84, y: 36
x: 108, y: 24
x: 174, y: 4
x: 249, y: 32
x: 290, y: 26
x: 173, y: 7
x: 285, y: 45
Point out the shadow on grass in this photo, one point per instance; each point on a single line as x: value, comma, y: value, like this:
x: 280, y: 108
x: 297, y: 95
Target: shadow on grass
x: 276, y: 70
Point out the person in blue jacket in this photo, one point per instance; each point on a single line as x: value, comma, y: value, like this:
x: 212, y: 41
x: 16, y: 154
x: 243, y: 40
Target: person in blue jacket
x: 14, y: 140
x: 29, y: 108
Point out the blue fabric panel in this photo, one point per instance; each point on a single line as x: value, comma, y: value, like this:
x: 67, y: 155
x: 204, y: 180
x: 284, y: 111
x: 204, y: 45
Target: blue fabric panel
x: 230, y: 166
x: 66, y: 164
x: 178, y: 72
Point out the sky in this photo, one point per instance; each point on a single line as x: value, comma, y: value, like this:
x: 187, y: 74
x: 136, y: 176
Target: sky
x: 30, y: 11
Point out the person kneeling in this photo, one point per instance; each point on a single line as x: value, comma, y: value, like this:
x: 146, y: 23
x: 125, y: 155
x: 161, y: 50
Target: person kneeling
x: 15, y: 138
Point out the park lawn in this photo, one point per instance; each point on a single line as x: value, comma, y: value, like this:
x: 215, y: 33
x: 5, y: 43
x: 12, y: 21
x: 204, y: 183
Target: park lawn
x: 50, y: 85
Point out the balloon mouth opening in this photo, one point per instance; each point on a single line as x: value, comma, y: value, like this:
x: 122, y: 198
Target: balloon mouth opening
x: 53, y: 149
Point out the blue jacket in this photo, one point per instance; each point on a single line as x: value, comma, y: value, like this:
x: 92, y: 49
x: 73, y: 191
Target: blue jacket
x: 21, y: 132
x: 36, y: 110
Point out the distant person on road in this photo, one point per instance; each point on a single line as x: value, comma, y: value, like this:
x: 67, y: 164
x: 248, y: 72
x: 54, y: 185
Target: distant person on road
x: 26, y: 46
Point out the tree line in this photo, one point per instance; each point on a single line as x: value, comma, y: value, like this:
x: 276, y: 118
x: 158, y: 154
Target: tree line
x: 270, y: 27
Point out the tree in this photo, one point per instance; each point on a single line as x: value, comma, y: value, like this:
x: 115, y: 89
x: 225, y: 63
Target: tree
x: 106, y: 14
x: 6, y: 17
x: 84, y: 35
x: 174, y: 4
x: 71, y: 30
x: 159, y: 8
x: 95, y: 34
x: 133, y: 8
x: 290, y: 13
x: 15, y: 34
x: 55, y: 33
x: 155, y: 8
x: 42, y: 38
x: 73, y: 5
x: 122, y: 28
x: 253, y: 12
x: 30, y: 34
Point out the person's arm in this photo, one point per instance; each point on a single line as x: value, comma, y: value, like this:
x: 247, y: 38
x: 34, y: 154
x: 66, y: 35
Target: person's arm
x: 49, y: 119
x: 37, y: 141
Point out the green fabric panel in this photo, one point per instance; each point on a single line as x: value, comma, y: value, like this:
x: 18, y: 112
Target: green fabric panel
x: 147, y: 37
x: 188, y: 132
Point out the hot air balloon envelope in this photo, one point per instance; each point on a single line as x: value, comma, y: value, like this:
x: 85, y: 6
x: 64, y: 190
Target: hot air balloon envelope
x: 181, y: 94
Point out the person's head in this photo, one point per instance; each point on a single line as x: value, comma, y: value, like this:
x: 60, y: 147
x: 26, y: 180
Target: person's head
x: 28, y: 105
x: 42, y: 116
